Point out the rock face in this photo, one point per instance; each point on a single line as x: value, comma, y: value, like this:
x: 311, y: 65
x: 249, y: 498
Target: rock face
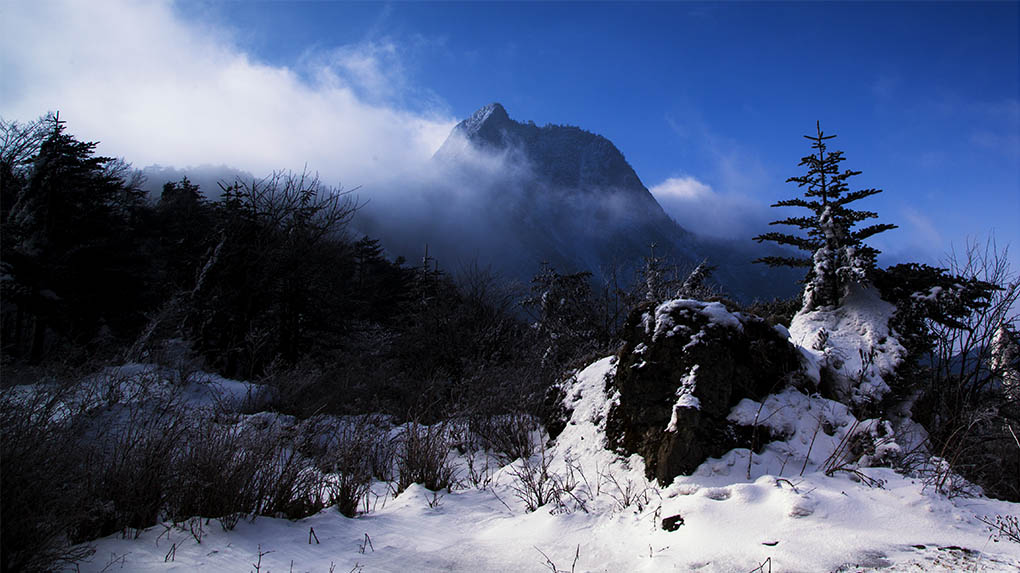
x: 684, y: 365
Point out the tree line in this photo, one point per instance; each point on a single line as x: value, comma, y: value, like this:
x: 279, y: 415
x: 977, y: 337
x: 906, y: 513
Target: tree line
x: 267, y: 282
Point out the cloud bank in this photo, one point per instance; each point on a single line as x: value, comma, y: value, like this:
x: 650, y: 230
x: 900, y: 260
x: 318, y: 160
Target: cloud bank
x: 702, y: 210
x: 155, y: 88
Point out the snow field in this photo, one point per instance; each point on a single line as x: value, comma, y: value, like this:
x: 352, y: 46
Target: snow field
x: 611, y: 518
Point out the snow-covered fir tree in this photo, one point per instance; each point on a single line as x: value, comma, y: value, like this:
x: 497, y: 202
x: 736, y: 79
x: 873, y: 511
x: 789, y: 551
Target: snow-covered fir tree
x: 839, y: 256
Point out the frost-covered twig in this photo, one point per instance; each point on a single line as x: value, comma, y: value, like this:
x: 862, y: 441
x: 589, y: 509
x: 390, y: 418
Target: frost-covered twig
x: 811, y: 446
x: 761, y: 568
x: 552, y: 566
x: 836, y: 460
x: 1004, y: 526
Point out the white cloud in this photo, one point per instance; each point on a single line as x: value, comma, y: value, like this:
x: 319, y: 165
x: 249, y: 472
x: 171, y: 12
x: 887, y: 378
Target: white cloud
x: 700, y: 209
x: 155, y: 88
x: 682, y: 189
x: 372, y: 69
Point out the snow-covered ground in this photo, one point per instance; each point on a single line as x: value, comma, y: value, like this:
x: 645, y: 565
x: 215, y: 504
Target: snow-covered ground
x: 774, y: 511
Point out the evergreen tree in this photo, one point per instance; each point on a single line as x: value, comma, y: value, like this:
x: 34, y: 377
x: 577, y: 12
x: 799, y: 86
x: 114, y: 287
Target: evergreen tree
x: 839, y: 256
x: 272, y: 287
x: 696, y: 284
x: 185, y: 229
x: 565, y: 314
x: 68, y: 222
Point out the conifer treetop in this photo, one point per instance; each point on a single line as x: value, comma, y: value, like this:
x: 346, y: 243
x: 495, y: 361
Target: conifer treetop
x: 838, y: 255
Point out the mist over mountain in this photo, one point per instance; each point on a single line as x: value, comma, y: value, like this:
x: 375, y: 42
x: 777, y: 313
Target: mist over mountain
x: 510, y: 196
x: 207, y: 177
x: 513, y: 195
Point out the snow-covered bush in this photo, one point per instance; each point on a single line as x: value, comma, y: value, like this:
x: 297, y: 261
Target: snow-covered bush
x: 853, y: 347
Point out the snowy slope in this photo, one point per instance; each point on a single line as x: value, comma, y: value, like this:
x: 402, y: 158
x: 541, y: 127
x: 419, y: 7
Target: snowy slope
x: 736, y: 516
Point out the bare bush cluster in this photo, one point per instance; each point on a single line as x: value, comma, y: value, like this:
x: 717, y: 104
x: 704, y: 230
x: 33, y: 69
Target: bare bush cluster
x: 353, y: 454
x: 537, y: 485
x: 967, y: 405
x: 508, y: 436
x: 77, y: 468
x: 423, y: 457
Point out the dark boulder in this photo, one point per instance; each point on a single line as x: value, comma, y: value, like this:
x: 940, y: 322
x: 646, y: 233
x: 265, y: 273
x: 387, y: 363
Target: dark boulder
x: 673, y: 522
x: 684, y: 365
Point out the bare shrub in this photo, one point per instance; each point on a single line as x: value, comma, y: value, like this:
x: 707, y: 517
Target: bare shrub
x: 127, y: 463
x: 38, y: 501
x: 534, y: 483
x: 290, y: 486
x: 354, y: 454
x: 966, y: 407
x: 216, y: 473
x: 509, y: 436
x: 479, y: 472
x: 293, y: 389
x: 423, y: 457
x: 382, y: 458
x: 573, y: 484
x: 626, y: 493
x: 244, y: 469
x: 80, y: 463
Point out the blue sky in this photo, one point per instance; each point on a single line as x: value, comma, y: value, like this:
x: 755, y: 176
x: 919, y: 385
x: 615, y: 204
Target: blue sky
x: 707, y: 101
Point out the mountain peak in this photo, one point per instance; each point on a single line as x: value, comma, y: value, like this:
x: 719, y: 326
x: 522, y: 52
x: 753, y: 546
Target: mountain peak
x: 561, y: 155
x: 491, y: 115
x: 487, y: 125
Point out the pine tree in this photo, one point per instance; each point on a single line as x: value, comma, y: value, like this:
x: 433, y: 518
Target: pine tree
x: 67, y: 243
x: 839, y: 256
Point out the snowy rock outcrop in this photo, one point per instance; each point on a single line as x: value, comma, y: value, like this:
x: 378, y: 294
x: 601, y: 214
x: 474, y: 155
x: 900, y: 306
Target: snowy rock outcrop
x: 852, y: 346
x: 1005, y: 362
x: 684, y: 366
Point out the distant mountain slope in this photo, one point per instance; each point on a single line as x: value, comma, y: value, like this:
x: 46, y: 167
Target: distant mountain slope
x: 568, y: 196
x: 514, y: 195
